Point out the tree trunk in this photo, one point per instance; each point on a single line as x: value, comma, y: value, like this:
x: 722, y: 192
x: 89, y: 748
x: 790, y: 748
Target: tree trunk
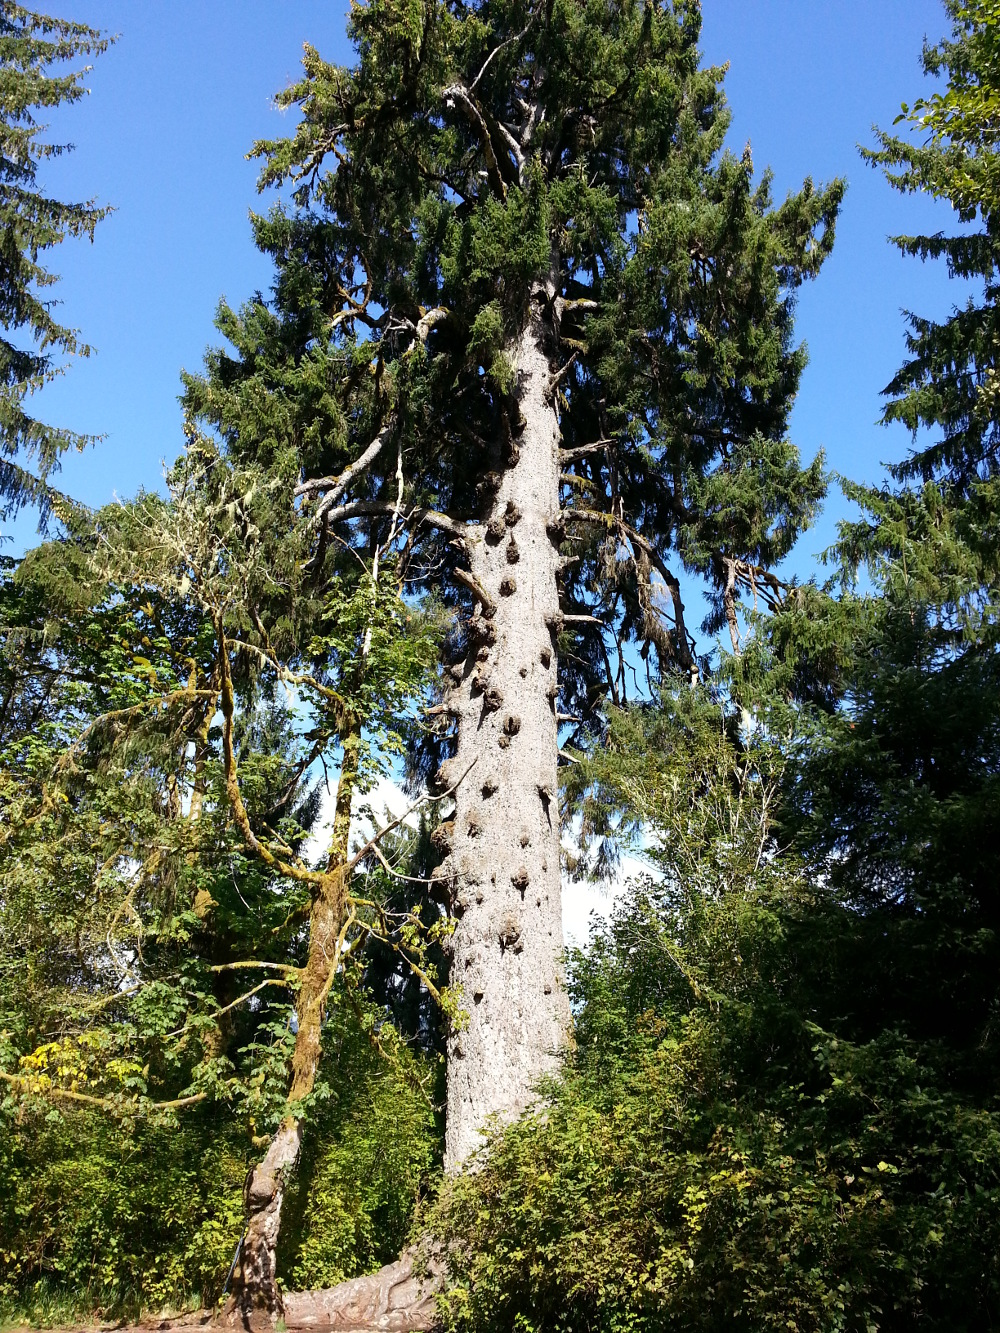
x: 503, y: 865
x: 504, y: 859
x: 256, y: 1300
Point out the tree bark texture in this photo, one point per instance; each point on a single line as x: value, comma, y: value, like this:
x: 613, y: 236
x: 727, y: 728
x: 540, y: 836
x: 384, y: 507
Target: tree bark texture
x: 503, y: 864
x: 394, y: 1300
x: 257, y: 1301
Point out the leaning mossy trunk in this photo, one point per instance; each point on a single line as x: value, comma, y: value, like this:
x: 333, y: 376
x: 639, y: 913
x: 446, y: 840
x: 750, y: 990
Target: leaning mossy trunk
x: 257, y: 1300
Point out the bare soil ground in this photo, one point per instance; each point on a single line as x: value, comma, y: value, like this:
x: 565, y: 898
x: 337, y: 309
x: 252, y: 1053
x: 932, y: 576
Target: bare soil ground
x: 184, y: 1323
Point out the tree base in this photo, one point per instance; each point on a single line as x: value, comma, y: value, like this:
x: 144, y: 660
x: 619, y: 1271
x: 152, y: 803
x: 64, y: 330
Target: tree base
x: 399, y: 1298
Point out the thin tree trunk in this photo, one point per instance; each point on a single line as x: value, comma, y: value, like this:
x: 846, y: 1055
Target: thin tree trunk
x: 257, y: 1301
x: 504, y: 858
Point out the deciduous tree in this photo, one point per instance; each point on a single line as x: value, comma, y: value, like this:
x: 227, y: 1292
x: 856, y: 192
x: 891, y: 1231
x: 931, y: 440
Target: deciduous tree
x: 158, y: 853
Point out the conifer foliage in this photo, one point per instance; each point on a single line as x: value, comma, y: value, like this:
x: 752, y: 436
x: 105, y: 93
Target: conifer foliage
x: 478, y: 148
x: 896, y: 794
x: 950, y: 379
x: 34, y: 51
x: 835, y: 1167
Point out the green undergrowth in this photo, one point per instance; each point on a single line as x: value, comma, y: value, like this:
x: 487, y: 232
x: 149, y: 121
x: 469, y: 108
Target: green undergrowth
x: 722, y: 1162
x: 369, y: 1158
x: 112, y: 1221
x: 103, y: 1220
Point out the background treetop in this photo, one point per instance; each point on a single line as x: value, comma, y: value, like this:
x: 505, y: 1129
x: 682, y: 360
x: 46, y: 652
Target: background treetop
x: 35, y: 51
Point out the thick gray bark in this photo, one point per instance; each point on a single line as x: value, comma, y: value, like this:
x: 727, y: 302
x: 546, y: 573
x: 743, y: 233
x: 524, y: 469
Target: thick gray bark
x: 504, y: 859
x: 396, y: 1299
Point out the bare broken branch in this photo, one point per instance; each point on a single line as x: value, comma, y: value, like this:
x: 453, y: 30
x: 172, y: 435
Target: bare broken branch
x: 582, y: 450
x: 417, y: 515
x: 456, y: 94
x: 336, y: 486
x: 476, y: 588
x: 396, y: 823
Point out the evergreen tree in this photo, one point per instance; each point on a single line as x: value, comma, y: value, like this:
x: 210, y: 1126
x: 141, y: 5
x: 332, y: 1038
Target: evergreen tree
x: 34, y: 50
x: 949, y: 384
x: 782, y: 1109
x: 895, y: 796
x: 547, y: 324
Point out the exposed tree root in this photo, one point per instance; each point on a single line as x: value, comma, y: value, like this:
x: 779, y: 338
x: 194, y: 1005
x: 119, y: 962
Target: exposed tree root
x: 399, y: 1298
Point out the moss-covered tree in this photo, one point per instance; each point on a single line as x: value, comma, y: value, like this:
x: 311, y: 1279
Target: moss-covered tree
x: 168, y: 940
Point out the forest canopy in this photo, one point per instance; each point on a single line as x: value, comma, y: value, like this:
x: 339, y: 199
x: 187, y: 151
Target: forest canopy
x: 517, y: 400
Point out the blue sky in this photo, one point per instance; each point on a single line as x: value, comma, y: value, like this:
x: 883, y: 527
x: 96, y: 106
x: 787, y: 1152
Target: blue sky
x: 179, y: 99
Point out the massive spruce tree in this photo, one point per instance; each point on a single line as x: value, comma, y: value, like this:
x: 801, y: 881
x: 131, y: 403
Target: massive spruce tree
x: 34, y: 79
x: 547, y: 321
